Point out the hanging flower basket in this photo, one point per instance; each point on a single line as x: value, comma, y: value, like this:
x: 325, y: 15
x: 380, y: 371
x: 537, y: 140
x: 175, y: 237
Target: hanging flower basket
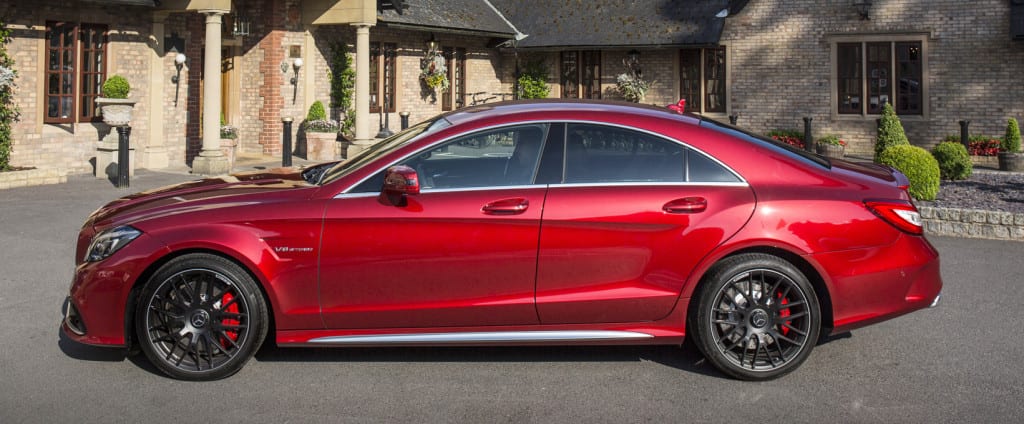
x: 434, y: 72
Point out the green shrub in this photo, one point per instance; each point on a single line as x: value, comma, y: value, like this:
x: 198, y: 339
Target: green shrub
x: 918, y: 165
x: 116, y: 87
x: 954, y: 162
x: 9, y: 113
x: 533, y: 82
x: 890, y: 131
x: 316, y: 112
x: 343, y: 82
x: 1011, y: 141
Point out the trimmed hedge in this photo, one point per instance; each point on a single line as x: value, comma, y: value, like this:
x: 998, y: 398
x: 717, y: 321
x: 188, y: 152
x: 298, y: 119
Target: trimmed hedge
x: 918, y: 165
x: 890, y: 131
x: 954, y: 162
x: 115, y: 87
x: 316, y: 112
x: 1011, y: 141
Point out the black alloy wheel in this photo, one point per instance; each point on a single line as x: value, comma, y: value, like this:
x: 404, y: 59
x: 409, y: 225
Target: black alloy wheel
x: 201, y: 317
x: 757, y: 318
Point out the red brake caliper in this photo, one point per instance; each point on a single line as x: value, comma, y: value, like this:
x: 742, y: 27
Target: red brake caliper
x: 232, y: 308
x: 782, y: 314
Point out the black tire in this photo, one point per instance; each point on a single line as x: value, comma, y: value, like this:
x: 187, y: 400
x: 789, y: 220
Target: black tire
x: 200, y: 317
x: 746, y: 334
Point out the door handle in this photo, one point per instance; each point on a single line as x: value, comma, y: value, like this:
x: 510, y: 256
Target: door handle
x: 506, y: 207
x: 686, y: 205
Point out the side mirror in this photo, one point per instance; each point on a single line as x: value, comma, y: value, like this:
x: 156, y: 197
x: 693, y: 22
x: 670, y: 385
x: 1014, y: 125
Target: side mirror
x: 401, y: 180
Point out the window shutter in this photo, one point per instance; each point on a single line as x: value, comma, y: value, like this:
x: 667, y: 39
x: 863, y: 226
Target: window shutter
x: 1017, y: 19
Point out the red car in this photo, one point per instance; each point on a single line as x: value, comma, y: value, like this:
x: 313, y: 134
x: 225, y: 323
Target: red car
x: 516, y: 224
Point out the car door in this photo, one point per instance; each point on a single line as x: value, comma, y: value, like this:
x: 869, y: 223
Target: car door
x: 632, y: 216
x: 460, y: 253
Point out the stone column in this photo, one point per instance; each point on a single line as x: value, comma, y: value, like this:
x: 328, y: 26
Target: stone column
x: 211, y: 161
x: 363, y: 138
x: 155, y: 154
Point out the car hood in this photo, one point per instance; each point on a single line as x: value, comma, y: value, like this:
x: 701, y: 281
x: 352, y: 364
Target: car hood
x: 222, y: 191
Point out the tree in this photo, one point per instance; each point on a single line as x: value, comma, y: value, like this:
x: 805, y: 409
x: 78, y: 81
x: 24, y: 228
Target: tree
x: 890, y: 131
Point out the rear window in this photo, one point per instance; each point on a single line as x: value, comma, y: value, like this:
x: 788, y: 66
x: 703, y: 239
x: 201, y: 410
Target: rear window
x: 778, y: 146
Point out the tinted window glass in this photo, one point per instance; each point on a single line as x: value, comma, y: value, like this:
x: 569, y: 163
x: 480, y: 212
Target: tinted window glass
x: 501, y: 157
x: 595, y: 153
x: 701, y: 169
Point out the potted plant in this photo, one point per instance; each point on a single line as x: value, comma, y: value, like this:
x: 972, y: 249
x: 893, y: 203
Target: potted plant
x: 321, y: 134
x: 831, y: 146
x: 1010, y: 158
x: 115, y: 105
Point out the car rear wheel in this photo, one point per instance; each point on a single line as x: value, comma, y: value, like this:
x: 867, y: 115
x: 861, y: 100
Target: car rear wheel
x: 200, y: 317
x: 757, y: 317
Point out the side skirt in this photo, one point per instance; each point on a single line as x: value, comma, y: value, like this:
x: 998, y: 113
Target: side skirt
x: 488, y: 337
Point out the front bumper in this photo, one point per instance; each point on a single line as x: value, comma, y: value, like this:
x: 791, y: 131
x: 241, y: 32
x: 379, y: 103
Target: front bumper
x: 95, y: 310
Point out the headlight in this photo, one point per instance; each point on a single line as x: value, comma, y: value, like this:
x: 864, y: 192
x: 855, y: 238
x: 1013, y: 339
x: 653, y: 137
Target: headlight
x: 106, y: 243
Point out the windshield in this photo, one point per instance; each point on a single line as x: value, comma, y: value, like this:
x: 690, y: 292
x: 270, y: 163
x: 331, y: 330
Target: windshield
x: 381, y: 148
x: 793, y: 151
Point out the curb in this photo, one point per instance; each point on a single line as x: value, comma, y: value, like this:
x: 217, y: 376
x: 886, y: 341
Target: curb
x: 972, y: 223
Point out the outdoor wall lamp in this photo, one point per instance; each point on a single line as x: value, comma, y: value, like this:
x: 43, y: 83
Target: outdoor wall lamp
x: 632, y: 63
x: 863, y: 8
x: 432, y: 44
x: 179, y: 61
x: 296, y: 65
x: 633, y: 57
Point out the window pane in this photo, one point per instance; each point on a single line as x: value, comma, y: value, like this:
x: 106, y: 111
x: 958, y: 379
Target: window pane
x: 879, y: 81
x: 375, y: 82
x: 449, y: 59
x: 570, y: 76
x: 591, y: 78
x: 701, y: 169
x: 714, y: 75
x: 689, y: 78
x: 607, y: 154
x: 390, y: 53
x: 460, y: 78
x: 908, y: 73
x: 503, y: 157
x: 849, y: 77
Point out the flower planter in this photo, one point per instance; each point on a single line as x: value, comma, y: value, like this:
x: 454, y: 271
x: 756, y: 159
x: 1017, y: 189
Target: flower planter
x: 116, y: 112
x: 228, y: 147
x: 831, y: 150
x: 1013, y: 162
x: 321, y: 146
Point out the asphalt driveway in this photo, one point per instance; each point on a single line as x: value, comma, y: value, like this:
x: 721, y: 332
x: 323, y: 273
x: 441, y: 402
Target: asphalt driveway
x: 955, y: 363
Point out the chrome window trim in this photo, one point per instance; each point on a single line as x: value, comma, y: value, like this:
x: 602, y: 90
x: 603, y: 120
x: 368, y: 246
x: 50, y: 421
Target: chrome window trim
x: 652, y: 184
x: 482, y: 337
x: 552, y: 122
x: 447, y: 190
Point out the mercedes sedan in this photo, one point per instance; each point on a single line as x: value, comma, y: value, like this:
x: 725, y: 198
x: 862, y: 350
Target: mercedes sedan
x: 519, y: 223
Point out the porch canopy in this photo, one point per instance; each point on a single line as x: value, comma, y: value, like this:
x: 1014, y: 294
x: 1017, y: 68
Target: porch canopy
x: 615, y: 23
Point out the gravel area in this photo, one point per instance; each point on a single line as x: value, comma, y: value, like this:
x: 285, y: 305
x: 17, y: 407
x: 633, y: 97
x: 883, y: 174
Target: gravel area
x: 988, y: 190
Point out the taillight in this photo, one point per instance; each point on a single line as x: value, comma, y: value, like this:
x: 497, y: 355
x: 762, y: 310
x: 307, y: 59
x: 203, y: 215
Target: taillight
x: 901, y: 214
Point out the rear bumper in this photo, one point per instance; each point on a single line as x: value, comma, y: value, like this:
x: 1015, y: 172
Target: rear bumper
x: 873, y: 285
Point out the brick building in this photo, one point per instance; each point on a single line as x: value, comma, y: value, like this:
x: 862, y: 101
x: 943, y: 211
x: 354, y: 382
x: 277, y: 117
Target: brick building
x: 769, y: 62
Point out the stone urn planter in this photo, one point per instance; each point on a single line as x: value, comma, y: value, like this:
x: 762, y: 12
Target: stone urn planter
x: 835, y: 151
x: 321, y: 146
x: 116, y: 112
x: 1013, y: 162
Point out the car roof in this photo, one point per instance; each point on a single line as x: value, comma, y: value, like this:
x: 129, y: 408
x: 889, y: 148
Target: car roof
x: 562, y: 106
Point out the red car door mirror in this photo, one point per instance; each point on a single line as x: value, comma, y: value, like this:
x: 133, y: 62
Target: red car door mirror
x: 401, y: 179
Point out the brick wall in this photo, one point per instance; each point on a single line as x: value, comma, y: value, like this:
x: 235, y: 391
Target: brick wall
x: 779, y: 55
x: 70, y: 147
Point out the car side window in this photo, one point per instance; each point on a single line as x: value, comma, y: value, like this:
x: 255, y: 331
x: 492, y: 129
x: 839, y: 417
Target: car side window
x: 596, y: 153
x: 604, y: 154
x: 497, y: 157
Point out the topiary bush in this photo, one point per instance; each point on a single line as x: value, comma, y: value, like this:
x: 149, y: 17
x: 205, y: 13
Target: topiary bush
x: 954, y: 162
x: 316, y: 112
x: 116, y: 87
x: 1011, y: 141
x: 890, y: 131
x: 918, y: 165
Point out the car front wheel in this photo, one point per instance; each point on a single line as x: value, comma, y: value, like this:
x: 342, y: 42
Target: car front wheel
x: 757, y: 317
x: 200, y: 317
